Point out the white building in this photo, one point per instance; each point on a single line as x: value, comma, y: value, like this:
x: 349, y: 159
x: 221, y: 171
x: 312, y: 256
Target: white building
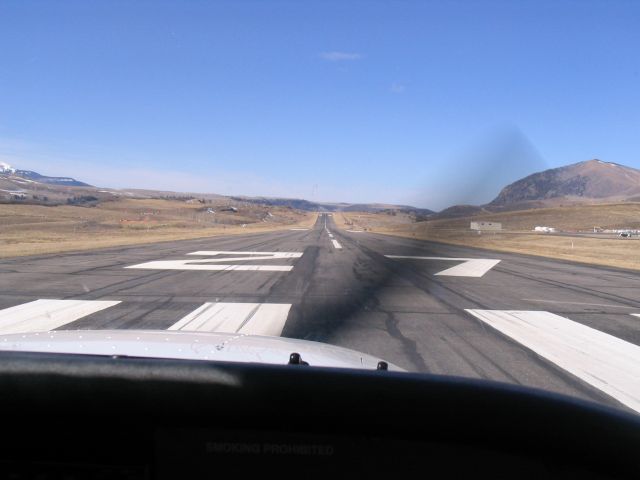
x: 486, y: 226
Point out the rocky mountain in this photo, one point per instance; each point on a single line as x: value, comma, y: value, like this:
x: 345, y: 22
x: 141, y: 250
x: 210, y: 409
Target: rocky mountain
x: 591, y: 181
x: 584, y: 181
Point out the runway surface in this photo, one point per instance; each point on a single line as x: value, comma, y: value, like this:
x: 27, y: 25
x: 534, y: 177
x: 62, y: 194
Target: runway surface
x: 427, y: 307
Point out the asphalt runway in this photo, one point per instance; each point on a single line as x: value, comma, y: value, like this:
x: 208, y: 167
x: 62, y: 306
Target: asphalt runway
x: 426, y: 307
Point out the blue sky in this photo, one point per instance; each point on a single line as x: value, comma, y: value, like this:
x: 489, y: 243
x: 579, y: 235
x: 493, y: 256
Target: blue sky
x: 425, y: 103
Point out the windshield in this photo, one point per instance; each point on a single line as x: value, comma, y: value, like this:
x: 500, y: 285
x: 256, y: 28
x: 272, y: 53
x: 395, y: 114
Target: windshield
x: 450, y: 188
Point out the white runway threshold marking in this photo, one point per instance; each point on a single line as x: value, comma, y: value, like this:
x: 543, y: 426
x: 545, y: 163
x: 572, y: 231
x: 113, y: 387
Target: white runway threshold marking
x: 472, y: 267
x: 561, y: 302
x: 220, y: 264
x: 601, y: 360
x: 245, y: 318
x: 336, y: 244
x: 253, y: 255
x: 205, y: 265
x: 299, y: 229
x: 44, y: 314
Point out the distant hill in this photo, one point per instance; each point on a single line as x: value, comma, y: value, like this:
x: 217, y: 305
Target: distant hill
x: 36, y: 177
x: 591, y: 181
x: 583, y: 181
x: 296, y: 203
x: 381, y: 207
x: 32, y: 187
x: 7, y: 171
x: 331, y: 207
x: 460, y: 211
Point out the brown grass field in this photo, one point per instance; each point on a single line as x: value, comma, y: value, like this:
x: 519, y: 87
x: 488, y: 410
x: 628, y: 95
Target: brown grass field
x: 35, y: 229
x: 571, y: 244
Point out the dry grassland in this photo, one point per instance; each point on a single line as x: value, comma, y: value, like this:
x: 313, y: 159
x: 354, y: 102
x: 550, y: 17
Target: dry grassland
x: 34, y: 229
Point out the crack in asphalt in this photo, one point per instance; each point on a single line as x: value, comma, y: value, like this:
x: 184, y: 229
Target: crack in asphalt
x: 409, y: 346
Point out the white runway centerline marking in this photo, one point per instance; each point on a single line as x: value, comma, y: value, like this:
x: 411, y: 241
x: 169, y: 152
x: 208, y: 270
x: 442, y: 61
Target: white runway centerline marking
x: 44, y: 314
x: 601, y: 360
x: 221, y: 264
x: 336, y: 244
x: 245, y: 318
x: 472, y: 267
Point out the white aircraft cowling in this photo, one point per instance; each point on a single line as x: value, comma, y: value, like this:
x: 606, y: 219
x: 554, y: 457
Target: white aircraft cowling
x: 223, y: 347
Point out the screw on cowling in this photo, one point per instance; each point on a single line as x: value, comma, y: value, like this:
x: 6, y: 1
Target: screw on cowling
x: 296, y: 359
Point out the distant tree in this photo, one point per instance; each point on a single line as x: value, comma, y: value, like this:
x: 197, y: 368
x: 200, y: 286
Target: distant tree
x: 81, y: 200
